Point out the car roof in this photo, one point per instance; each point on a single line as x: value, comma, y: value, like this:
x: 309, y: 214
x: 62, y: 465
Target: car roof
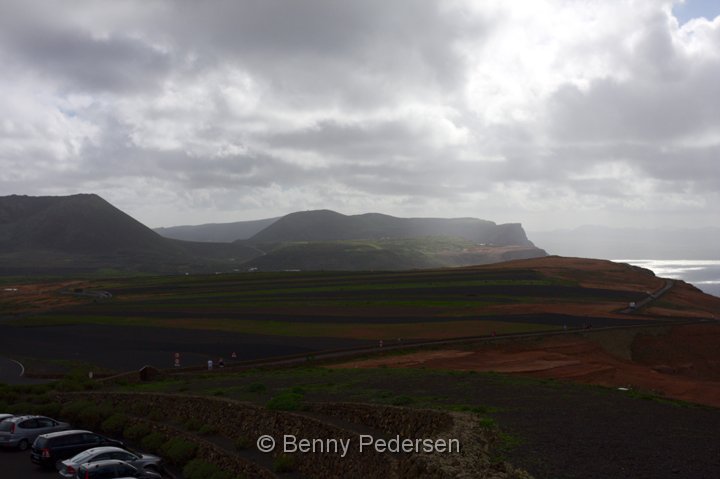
x: 103, y: 449
x: 64, y: 433
x: 22, y: 418
x: 105, y: 462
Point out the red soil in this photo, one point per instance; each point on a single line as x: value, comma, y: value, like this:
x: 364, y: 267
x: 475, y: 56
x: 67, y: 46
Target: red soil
x: 37, y: 297
x: 683, y: 363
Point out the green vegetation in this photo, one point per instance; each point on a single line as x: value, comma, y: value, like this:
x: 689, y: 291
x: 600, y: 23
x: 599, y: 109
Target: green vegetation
x: 286, y: 401
x: 114, y: 424
x: 178, y: 451
x: 198, y: 469
x: 352, y: 305
x: 284, y: 463
x: 137, y: 432
x: 153, y: 441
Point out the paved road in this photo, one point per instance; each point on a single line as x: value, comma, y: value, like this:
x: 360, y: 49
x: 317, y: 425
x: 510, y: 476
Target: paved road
x: 650, y: 298
x: 11, y: 372
x: 16, y: 464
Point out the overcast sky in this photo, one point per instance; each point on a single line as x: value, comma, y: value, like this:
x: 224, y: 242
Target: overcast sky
x: 553, y: 113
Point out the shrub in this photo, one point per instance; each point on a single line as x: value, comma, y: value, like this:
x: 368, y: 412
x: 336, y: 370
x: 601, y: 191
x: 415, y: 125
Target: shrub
x: 179, y: 451
x: 136, y: 432
x: 487, y: 422
x: 71, y: 410
x: 51, y: 409
x: 90, y: 418
x: 23, y: 408
x: 153, y: 441
x: 43, y: 398
x: 114, y: 424
x: 286, y: 401
x: 284, y: 463
x: 197, y: 469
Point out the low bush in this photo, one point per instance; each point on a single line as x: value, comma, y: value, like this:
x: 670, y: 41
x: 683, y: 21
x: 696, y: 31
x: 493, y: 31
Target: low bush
x: 136, y: 432
x: 22, y: 408
x: 153, y: 442
x: 71, y: 410
x: 286, y: 401
x: 198, y: 469
x: 179, y: 451
x: 284, y: 463
x: 51, y: 409
x: 114, y: 424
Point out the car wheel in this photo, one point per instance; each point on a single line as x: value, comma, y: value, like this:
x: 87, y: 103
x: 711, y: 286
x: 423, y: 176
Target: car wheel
x: 23, y: 445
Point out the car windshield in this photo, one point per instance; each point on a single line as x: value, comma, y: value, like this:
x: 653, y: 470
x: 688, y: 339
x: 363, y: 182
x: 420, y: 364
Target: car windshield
x: 82, y: 457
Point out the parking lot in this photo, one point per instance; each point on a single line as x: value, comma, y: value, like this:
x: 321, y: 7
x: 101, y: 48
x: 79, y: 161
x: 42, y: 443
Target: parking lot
x: 16, y: 465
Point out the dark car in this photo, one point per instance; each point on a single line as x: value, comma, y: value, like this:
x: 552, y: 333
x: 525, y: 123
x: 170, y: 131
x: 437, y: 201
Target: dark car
x: 69, y: 467
x: 48, y: 449
x: 21, y: 431
x: 113, y: 469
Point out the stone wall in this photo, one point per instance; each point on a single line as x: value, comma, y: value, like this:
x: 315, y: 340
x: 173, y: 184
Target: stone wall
x: 244, y: 421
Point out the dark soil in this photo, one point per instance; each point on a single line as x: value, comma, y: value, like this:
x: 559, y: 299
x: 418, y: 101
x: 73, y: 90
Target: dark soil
x: 124, y: 348
x: 569, y: 431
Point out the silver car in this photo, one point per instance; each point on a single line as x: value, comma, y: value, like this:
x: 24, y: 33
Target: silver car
x: 69, y: 467
x: 113, y: 468
x: 21, y: 431
x: 5, y: 416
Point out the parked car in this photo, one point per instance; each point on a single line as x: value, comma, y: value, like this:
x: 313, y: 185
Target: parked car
x: 113, y: 469
x: 69, y: 467
x: 48, y: 449
x: 5, y: 416
x: 21, y: 431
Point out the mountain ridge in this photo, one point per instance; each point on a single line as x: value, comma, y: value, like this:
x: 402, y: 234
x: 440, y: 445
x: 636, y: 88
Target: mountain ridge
x: 84, y: 232
x: 329, y: 225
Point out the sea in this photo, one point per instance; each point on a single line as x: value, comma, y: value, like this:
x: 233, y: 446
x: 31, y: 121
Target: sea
x: 703, y: 274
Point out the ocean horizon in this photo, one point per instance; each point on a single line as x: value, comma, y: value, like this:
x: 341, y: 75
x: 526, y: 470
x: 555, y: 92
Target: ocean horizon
x: 703, y: 274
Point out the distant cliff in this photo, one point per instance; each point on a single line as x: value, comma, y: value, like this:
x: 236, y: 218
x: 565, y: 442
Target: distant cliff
x: 326, y: 225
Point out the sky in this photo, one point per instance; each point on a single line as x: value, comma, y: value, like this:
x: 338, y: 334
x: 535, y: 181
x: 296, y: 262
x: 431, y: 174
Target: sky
x: 552, y: 113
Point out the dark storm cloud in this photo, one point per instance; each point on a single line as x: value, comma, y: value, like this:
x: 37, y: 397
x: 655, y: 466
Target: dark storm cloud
x: 452, y: 105
x: 77, y: 59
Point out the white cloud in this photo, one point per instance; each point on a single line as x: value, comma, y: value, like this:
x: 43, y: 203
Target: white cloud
x: 505, y: 110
